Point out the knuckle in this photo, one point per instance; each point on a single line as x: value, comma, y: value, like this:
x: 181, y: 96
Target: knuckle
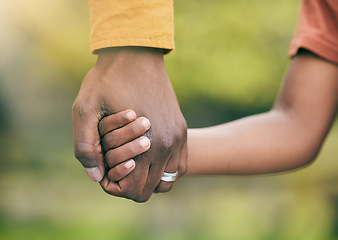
x: 109, y: 141
x: 114, y: 175
x: 106, y: 190
x: 81, y: 109
x: 120, y: 171
x: 111, y: 158
x: 141, y: 199
x: 131, y: 150
x: 182, y: 133
x: 166, y: 143
x: 120, y: 119
x: 135, y: 194
x: 111, y: 192
x: 83, y: 151
x: 132, y: 130
x: 164, y: 188
x: 183, y: 125
x: 129, y: 194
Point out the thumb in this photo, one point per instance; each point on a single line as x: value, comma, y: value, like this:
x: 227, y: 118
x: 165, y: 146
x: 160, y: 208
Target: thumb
x: 87, y: 144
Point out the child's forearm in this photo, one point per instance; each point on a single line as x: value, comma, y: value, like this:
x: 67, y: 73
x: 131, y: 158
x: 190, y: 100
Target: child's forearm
x: 287, y: 137
x: 264, y: 143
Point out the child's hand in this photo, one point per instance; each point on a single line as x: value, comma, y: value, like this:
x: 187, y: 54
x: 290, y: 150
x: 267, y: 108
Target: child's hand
x: 121, y: 141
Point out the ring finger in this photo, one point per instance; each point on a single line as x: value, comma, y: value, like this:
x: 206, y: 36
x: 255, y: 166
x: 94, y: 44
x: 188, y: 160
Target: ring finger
x: 167, y: 181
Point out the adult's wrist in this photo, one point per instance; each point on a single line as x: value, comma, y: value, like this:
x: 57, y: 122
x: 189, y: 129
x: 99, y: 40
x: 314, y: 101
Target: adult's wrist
x: 133, y: 64
x: 107, y: 56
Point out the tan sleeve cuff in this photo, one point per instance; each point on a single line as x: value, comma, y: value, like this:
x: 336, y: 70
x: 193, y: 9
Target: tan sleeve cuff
x: 146, y: 23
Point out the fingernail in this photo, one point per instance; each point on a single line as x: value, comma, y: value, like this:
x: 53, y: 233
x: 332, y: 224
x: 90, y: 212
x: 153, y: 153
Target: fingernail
x: 144, y: 142
x: 131, y: 115
x: 146, y: 123
x: 129, y: 164
x: 94, y: 174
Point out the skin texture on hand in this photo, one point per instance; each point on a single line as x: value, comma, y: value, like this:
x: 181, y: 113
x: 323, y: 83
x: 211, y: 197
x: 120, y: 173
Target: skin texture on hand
x: 121, y: 137
x: 131, y: 78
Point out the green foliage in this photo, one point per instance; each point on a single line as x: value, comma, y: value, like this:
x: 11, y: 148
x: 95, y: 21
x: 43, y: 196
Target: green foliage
x: 231, y: 51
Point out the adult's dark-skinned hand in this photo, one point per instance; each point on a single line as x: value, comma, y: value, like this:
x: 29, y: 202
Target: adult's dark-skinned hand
x: 130, y: 78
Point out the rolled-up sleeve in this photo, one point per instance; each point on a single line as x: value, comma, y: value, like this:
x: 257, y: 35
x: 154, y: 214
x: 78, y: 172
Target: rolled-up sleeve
x: 116, y: 23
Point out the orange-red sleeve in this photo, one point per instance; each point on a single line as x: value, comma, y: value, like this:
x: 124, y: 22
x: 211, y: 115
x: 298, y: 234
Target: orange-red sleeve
x: 317, y: 29
x: 147, y: 23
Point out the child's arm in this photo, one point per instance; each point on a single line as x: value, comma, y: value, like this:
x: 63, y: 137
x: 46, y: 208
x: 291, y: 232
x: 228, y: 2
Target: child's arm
x: 287, y: 137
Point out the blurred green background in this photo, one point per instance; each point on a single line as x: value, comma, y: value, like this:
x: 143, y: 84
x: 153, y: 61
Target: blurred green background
x: 229, y: 61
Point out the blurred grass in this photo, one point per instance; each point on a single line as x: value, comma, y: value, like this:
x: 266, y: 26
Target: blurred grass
x: 230, y: 58
x: 60, y: 202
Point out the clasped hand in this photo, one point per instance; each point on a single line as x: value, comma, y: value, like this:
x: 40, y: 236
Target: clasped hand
x: 129, y: 78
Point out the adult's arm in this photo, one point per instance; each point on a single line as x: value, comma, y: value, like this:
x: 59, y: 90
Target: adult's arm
x: 287, y: 137
x: 130, y: 78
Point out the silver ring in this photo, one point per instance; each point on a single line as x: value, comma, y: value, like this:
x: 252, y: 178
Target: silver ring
x: 169, y: 177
